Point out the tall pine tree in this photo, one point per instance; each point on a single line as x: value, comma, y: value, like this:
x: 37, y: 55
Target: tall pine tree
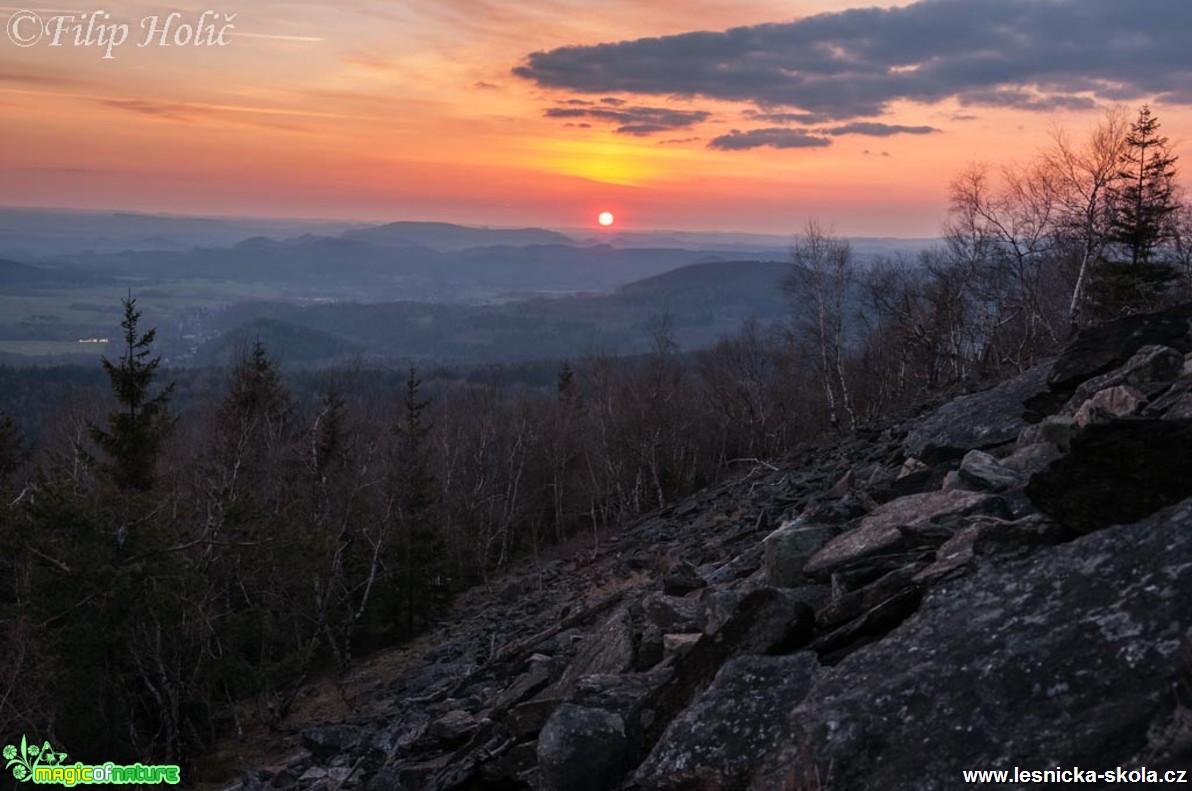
x: 138, y: 427
x: 1144, y: 199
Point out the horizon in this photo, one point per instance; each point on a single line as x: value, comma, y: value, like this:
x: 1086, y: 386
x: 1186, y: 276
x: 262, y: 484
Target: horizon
x: 593, y: 231
x: 757, y: 119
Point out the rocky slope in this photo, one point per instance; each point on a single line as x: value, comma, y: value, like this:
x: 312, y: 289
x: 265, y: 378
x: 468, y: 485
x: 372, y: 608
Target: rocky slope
x: 1002, y: 581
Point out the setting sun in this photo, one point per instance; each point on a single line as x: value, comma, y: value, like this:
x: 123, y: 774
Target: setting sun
x: 606, y: 218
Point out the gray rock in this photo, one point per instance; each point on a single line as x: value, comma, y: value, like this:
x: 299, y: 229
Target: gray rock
x: 981, y: 420
x: 1030, y: 459
x: 1176, y: 402
x: 787, y: 549
x: 733, y: 726
x: 985, y: 473
x: 608, y: 649
x: 324, y: 741
x: 453, y: 726
x: 1058, y: 430
x: 1068, y: 657
x: 1151, y: 370
x: 582, y: 749
x: 1103, y: 348
x: 1116, y: 472
x: 674, y: 613
x: 881, y: 533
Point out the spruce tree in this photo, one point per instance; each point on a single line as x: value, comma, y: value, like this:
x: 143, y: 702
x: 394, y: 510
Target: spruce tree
x: 1144, y: 198
x: 415, y: 498
x: 138, y: 427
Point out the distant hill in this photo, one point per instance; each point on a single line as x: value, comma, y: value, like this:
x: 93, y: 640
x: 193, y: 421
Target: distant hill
x: 703, y: 302
x: 447, y: 237
x: 352, y: 267
x: 292, y: 345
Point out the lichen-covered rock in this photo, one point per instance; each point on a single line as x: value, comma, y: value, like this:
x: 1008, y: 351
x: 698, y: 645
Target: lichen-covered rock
x: 882, y: 531
x: 1117, y: 472
x: 1070, y: 657
x: 732, y: 727
x: 788, y: 549
x: 984, y: 473
x: 582, y: 749
x: 1151, y: 370
x: 981, y: 420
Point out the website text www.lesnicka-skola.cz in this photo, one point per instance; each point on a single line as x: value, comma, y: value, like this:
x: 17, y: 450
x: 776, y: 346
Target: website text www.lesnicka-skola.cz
x: 1077, y: 775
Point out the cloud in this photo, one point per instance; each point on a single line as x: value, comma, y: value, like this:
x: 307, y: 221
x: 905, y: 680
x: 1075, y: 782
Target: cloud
x: 773, y: 137
x: 172, y: 111
x: 789, y: 118
x: 639, y: 121
x: 1037, y: 55
x: 874, y: 129
x: 485, y: 86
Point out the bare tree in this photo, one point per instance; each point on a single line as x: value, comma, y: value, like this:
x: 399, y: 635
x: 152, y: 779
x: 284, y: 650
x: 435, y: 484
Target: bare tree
x: 1082, y: 174
x: 818, y: 290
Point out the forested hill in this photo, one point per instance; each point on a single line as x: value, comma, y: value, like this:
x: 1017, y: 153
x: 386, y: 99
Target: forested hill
x: 699, y: 303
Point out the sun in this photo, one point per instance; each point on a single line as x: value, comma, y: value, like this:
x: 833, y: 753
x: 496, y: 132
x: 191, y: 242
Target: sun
x: 606, y: 218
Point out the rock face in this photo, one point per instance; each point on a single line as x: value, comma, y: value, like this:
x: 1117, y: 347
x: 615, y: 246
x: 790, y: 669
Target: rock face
x: 737, y: 723
x: 1117, y: 472
x: 960, y: 590
x: 981, y: 420
x: 581, y: 749
x: 1065, y: 658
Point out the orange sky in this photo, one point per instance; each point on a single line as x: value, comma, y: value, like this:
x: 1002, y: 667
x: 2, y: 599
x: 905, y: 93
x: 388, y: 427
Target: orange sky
x: 410, y: 110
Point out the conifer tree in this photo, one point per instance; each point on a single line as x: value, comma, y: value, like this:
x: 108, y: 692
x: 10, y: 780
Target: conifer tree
x: 1144, y: 199
x: 136, y: 429
x: 415, y: 500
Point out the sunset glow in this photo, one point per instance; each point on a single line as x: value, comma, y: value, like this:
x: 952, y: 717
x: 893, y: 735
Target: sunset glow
x: 524, y: 113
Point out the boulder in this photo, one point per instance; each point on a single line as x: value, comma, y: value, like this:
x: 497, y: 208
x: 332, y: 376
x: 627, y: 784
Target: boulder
x: 732, y: 727
x: 674, y: 613
x: 981, y: 420
x: 787, y: 549
x: 582, y: 749
x: 608, y: 649
x: 1058, y: 430
x: 1030, y: 459
x: 1097, y: 350
x: 1176, y: 402
x: 1151, y: 370
x: 880, y: 533
x: 681, y: 580
x: 1069, y: 657
x: 982, y: 472
x: 1118, y: 401
x: 1116, y: 472
x: 325, y: 741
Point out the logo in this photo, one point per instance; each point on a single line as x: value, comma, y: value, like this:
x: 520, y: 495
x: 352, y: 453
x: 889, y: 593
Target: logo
x: 45, y: 766
x: 102, y: 32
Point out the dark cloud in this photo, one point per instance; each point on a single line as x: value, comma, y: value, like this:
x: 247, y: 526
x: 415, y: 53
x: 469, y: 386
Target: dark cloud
x: 874, y: 129
x: 640, y: 121
x: 677, y: 141
x: 789, y: 118
x: 612, y: 101
x: 487, y: 86
x: 1031, y: 54
x: 774, y: 137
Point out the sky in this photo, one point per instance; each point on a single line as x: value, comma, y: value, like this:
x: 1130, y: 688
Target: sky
x: 750, y: 115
